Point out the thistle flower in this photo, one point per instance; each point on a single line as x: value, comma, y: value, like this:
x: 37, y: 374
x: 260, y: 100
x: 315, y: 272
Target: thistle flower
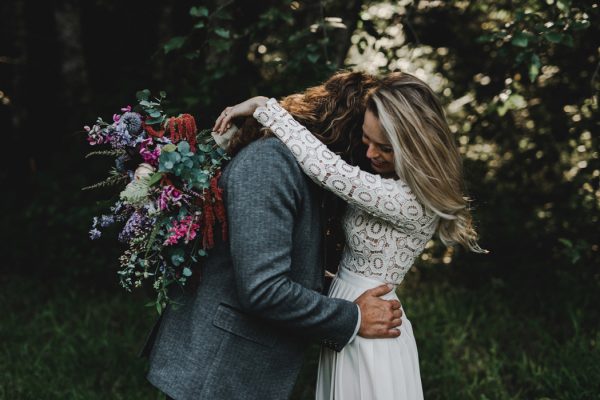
x: 132, y: 121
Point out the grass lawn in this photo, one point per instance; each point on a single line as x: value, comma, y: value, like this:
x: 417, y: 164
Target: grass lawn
x: 59, y: 341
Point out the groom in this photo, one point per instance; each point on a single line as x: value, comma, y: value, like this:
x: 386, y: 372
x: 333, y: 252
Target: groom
x: 242, y: 334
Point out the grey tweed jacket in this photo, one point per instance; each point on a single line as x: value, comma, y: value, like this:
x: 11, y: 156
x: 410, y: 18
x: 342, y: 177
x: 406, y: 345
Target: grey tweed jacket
x: 243, y: 332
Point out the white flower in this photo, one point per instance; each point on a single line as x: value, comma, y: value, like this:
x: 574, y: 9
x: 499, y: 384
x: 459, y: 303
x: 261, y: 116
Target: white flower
x: 144, y: 170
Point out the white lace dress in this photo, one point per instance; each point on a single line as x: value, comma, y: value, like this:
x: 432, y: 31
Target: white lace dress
x: 385, y: 229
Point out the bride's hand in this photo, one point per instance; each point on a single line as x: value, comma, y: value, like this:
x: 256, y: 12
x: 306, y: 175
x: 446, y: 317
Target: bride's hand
x: 244, y: 109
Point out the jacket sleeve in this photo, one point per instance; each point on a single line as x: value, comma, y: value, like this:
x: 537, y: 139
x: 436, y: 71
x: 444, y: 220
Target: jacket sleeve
x: 263, y: 197
x: 388, y: 199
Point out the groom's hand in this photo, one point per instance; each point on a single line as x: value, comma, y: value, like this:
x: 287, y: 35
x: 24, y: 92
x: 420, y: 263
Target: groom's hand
x: 379, y: 318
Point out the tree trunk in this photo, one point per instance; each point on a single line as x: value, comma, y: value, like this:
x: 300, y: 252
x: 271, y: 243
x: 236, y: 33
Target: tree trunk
x: 76, y: 89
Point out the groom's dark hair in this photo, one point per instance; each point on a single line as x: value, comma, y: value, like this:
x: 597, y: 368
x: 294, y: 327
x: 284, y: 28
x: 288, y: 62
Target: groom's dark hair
x: 333, y: 111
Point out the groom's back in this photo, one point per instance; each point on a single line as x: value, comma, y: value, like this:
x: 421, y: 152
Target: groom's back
x: 212, y: 346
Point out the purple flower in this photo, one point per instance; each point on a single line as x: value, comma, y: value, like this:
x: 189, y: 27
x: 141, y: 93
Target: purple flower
x: 169, y: 196
x: 106, y: 220
x: 125, y: 132
x: 96, y: 135
x: 137, y: 224
x: 149, y: 156
x: 95, y: 234
x: 132, y: 122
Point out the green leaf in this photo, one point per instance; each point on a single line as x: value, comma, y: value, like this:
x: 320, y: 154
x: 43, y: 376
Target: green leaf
x: 154, y: 121
x: 177, y: 258
x: 187, y: 272
x: 553, y: 37
x: 174, y: 44
x: 566, y: 242
x: 224, y: 33
x: 313, y: 58
x: 167, y: 148
x: 162, y: 94
x: 199, y: 25
x: 521, y: 57
x: 155, y: 114
x: 563, y: 5
x: 183, y: 147
x: 520, y: 39
x: 567, y: 40
x: 199, y: 12
x: 155, y: 178
x: 485, y: 38
x: 221, y: 45
x: 579, y: 25
x: 143, y: 95
x: 534, y: 67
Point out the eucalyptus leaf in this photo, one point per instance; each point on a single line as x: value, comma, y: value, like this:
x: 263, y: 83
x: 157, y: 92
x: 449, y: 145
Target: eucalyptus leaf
x: 183, y: 147
x: 178, y: 257
x: 168, y: 148
x: 143, y: 94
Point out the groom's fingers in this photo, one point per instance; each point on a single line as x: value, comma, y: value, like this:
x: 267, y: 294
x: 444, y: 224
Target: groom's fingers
x: 393, y: 333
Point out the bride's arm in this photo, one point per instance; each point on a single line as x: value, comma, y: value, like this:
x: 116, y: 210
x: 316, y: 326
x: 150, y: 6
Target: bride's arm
x: 388, y: 199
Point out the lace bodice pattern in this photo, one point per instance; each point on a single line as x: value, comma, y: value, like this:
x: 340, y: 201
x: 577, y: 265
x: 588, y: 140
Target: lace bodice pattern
x: 385, y: 226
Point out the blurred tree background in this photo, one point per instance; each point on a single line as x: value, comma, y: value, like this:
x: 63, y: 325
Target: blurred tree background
x: 519, y: 80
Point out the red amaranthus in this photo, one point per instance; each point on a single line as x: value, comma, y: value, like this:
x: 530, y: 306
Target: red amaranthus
x: 183, y: 127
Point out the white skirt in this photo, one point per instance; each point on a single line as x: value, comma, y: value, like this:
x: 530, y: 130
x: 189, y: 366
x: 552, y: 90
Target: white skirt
x: 369, y: 369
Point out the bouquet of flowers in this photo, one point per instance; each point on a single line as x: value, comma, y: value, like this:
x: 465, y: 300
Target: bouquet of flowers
x: 169, y: 203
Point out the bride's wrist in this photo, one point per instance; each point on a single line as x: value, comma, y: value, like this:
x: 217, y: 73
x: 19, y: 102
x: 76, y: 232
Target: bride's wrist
x: 260, y: 101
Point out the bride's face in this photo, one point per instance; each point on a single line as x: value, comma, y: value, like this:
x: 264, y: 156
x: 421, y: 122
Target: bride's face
x: 379, y: 150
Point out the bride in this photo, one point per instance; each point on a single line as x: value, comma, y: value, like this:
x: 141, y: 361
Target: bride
x: 414, y: 190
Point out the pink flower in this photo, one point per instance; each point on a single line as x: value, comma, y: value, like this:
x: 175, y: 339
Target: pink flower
x: 126, y: 109
x: 149, y: 156
x: 116, y: 117
x: 169, y: 196
x: 185, y: 228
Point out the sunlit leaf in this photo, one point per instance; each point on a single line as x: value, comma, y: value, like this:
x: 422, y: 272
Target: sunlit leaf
x: 534, y: 67
x: 520, y: 39
x: 199, y: 12
x: 174, y: 44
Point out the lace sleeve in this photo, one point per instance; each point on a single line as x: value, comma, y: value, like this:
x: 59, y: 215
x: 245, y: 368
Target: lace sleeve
x: 388, y: 199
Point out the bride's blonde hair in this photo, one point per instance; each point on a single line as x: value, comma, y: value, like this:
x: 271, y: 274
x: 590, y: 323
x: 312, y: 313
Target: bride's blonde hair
x: 426, y: 155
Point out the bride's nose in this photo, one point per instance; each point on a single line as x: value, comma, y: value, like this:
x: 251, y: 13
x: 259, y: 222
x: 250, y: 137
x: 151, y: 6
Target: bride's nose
x: 372, y: 152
